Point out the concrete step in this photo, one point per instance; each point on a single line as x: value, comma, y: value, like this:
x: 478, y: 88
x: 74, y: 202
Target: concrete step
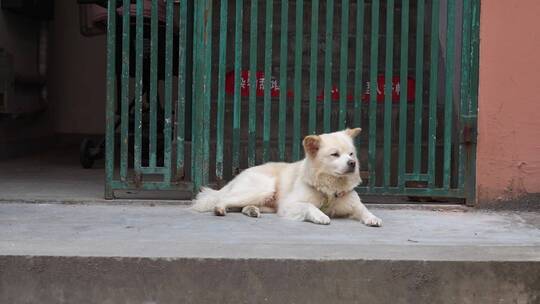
x: 53, y: 253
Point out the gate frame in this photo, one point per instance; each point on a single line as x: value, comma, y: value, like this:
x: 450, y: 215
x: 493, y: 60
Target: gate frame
x: 200, y: 132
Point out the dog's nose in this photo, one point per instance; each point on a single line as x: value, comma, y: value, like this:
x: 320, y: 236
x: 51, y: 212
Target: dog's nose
x: 351, y: 163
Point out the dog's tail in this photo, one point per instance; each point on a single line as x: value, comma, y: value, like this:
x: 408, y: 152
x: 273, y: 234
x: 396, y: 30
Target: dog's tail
x: 206, y: 200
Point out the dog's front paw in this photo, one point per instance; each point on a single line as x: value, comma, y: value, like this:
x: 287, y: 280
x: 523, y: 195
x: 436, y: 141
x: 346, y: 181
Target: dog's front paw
x: 372, y: 221
x: 321, y: 219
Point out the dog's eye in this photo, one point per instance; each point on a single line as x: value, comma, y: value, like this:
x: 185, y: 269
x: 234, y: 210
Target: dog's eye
x: 351, y: 154
x: 335, y: 154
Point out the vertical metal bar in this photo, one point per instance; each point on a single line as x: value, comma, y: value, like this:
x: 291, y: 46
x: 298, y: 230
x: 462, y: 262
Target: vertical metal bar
x: 343, y: 67
x: 418, y: 103
x: 433, y: 84
x: 124, y: 115
x: 448, y: 96
x: 389, y: 56
x: 221, y: 89
x: 252, y: 112
x: 237, y: 79
x: 359, y: 63
x: 167, y: 124
x: 207, y: 78
x: 464, y: 86
x: 373, y: 91
x: 269, y: 31
x: 111, y: 98
x: 283, y: 50
x: 299, y: 27
x: 403, y: 92
x: 153, y: 82
x: 470, y: 151
x: 138, y: 88
x: 327, y: 124
x: 181, y: 104
x: 314, y: 54
x: 197, y: 130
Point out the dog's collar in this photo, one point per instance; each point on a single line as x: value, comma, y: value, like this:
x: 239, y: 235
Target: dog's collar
x: 326, y: 203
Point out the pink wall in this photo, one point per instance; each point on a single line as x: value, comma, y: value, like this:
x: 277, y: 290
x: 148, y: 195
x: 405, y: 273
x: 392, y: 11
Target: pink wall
x: 508, y: 163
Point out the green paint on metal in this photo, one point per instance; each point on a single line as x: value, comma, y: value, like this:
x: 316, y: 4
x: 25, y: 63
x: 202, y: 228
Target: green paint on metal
x: 418, y: 104
x: 433, y: 85
x: 269, y: 31
x: 358, y: 85
x: 111, y: 99
x: 167, y: 124
x: 181, y: 103
x: 252, y: 111
x: 448, y: 94
x: 297, y: 79
x: 314, y: 55
x: 398, y: 191
x: 403, y: 77
x: 220, y: 124
x: 283, y: 79
x: 327, y: 124
x: 389, y: 56
x: 470, y: 150
x: 138, y: 88
x: 464, y: 86
x: 153, y: 82
x: 343, y: 66
x: 197, y: 144
x: 206, y: 97
x: 124, y: 106
x: 373, y: 92
x: 237, y: 78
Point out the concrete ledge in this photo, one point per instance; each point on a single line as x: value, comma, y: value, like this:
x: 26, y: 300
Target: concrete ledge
x: 57, y: 253
x: 26, y: 279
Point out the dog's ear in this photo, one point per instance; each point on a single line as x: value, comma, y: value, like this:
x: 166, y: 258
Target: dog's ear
x: 353, y: 132
x: 311, y: 144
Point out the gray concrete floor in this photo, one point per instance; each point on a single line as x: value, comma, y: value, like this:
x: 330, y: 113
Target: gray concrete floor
x: 54, y: 175
x: 175, y: 231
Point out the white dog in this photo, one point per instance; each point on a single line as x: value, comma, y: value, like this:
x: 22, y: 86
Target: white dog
x: 314, y: 189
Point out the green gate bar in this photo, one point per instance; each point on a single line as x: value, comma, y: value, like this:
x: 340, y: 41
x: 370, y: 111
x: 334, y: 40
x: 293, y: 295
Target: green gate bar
x: 464, y: 86
x: 198, y: 107
x: 124, y: 119
x: 433, y: 85
x: 314, y: 58
x: 153, y: 82
x: 181, y: 103
x: 252, y: 111
x: 167, y: 124
x: 207, y: 89
x: 237, y: 78
x: 343, y: 66
x: 328, y: 66
x: 269, y: 31
x: 403, y: 77
x: 448, y: 95
x: 283, y: 79
x: 111, y: 99
x: 372, y: 145
x: 389, y: 69
x: 220, y: 123
x: 298, y: 47
x: 138, y: 91
x: 359, y: 58
x: 418, y: 104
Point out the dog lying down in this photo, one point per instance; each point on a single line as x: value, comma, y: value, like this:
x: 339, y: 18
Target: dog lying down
x: 314, y: 189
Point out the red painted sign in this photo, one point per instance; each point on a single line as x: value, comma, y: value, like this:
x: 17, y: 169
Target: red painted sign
x: 334, y: 93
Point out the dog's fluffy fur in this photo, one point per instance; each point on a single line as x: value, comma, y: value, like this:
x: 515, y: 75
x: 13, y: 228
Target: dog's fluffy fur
x: 314, y: 189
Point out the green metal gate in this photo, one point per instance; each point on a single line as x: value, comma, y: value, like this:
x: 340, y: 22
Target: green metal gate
x: 244, y: 81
